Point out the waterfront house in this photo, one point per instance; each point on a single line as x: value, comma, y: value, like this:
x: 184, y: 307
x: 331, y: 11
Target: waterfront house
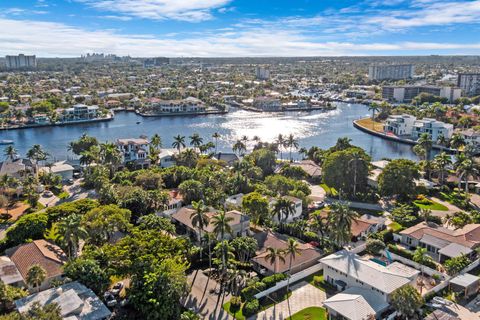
x: 313, y: 170
x: 16, y: 168
x: 40, y: 118
x: 166, y: 158
x: 267, y: 104
x: 44, y: 253
x: 175, y: 203
x: 74, y: 300
x: 433, y: 128
x: 399, y: 125
x: 442, y: 243
x: 228, y: 157
x: 188, y: 105
x: 135, y: 151
x: 240, y: 222
x: 234, y: 201
x: 80, y: 112
x: 352, y: 274
x: 307, y: 256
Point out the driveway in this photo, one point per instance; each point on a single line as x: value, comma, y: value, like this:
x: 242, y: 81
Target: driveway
x: 76, y: 191
x: 451, y: 208
x: 471, y: 311
x: 317, y: 192
x: 304, y: 295
x: 207, y: 305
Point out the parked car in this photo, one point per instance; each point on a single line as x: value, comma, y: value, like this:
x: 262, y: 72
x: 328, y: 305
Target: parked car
x: 70, y: 181
x: 440, y: 300
x: 316, y: 205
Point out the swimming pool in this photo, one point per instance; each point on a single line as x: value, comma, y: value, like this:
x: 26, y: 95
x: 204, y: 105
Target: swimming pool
x: 378, y: 261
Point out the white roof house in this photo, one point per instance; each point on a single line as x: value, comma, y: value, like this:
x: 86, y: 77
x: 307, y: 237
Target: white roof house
x: 385, y: 279
x: 355, y: 304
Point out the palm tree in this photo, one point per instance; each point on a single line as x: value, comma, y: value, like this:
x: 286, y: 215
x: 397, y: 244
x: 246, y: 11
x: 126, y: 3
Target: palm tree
x: 111, y: 156
x: 425, y: 214
x: 156, y: 141
x: 199, y: 219
x: 225, y: 251
x: 36, y: 154
x: 465, y: 169
x: 244, y: 139
x: 426, y: 143
x: 421, y: 257
x: 36, y: 274
x: 273, y: 256
x: 442, y: 140
x: 196, y: 141
x: 208, y: 237
x: 340, y: 220
x: 356, y: 157
x: 292, y: 143
x: 216, y: 136
x: 441, y: 161
x: 10, y: 152
x: 178, y: 142
x: 457, y: 141
x: 292, y: 250
x: 283, y: 208
x: 280, y: 141
x: 221, y: 225
x: 374, y: 108
x: 72, y: 232
x: 239, y: 147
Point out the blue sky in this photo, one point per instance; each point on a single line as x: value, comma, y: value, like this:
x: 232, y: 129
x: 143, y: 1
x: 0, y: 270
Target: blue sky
x: 226, y: 28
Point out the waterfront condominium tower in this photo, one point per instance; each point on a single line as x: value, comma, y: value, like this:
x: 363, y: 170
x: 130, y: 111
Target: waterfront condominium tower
x: 391, y: 72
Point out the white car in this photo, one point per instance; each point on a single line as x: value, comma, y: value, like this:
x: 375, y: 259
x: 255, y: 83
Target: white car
x: 442, y: 301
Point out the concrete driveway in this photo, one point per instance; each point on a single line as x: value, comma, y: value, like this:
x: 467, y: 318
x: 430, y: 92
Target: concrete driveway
x: 317, y: 192
x: 304, y: 295
x: 206, y: 304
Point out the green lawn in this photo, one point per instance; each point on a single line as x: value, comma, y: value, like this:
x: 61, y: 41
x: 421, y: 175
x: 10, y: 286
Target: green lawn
x: 312, y: 313
x: 395, y: 226
x: 433, y: 206
x: 239, y: 315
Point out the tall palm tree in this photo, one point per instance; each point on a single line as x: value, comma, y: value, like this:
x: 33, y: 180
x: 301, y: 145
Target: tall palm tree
x: 156, y: 141
x: 292, y: 143
x: 374, y: 108
x: 196, y: 141
x: 178, y: 142
x: 36, y: 154
x: 225, y: 251
x: 425, y: 141
x: 280, y: 141
x: 425, y: 214
x: 356, y: 158
x: 421, y: 257
x: 72, y: 232
x: 199, y: 219
x: 291, y: 251
x: 10, y: 152
x: 221, y: 225
x: 341, y: 219
x: 110, y: 155
x: 465, y: 169
x: 442, y: 140
x: 283, y: 208
x: 274, y: 255
x: 216, y: 136
x: 441, y: 161
x: 239, y: 147
x: 36, y: 274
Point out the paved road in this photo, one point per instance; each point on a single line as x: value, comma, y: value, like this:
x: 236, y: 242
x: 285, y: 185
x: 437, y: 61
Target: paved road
x: 204, y: 303
x: 304, y: 295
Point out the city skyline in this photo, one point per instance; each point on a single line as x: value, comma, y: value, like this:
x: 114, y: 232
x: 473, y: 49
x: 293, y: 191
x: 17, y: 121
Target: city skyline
x: 234, y: 28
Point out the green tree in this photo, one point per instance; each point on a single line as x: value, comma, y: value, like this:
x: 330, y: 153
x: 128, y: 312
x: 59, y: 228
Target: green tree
x: 36, y: 275
x: 83, y: 144
x: 31, y: 226
x: 154, y: 222
x: 421, y: 257
x: 441, y: 162
x: 101, y: 223
x: 178, y: 142
x: 256, y: 206
x: 192, y: 190
x: 196, y: 141
x: 89, y: 272
x: 245, y: 247
x: 375, y: 246
x: 454, y: 266
x: 291, y: 143
x: 425, y: 141
x: 8, y: 295
x: 274, y: 255
x: 10, y: 152
x: 156, y: 293
x: 292, y: 250
x: 283, y: 208
x: 216, y: 136
x: 398, y: 178
x: 200, y: 219
x: 221, y: 225
x: 264, y: 159
x: 406, y: 300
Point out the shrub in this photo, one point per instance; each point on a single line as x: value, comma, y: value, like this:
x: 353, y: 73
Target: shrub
x: 270, y: 281
x: 251, y: 307
x: 309, y: 236
x: 318, y: 280
x: 249, y: 292
x: 409, y: 255
x: 235, y: 304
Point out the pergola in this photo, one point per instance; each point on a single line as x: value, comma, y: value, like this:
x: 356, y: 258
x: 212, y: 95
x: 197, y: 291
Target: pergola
x: 466, y: 282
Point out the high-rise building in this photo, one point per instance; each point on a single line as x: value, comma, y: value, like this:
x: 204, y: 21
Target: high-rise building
x: 262, y: 73
x: 391, y: 72
x: 21, y: 61
x: 469, y: 83
x: 155, y: 62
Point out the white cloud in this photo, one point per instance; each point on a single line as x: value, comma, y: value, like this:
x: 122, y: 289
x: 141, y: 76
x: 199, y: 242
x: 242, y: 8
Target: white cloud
x: 186, y: 10
x: 118, y: 18
x: 57, y: 39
